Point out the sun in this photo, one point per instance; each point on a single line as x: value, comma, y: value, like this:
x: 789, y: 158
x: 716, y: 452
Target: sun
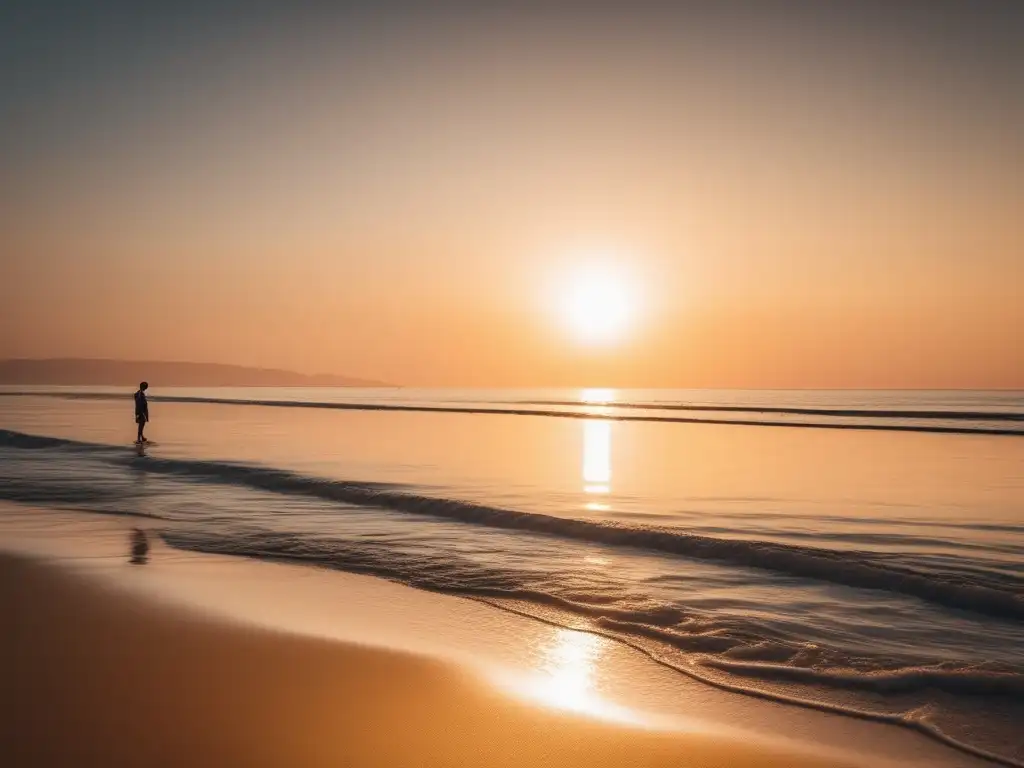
x: 598, y: 306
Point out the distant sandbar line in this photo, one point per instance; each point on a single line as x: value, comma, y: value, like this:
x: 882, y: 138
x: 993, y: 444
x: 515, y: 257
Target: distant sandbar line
x: 928, y: 428
x: 803, y: 411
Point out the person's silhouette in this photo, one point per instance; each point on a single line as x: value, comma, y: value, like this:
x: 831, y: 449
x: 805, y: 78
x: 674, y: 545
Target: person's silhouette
x: 141, y: 411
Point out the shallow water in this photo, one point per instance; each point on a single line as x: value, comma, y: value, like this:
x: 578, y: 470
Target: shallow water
x: 877, y: 570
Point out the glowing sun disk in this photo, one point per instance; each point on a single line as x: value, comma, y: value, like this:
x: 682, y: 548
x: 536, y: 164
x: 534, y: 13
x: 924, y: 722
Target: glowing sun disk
x: 597, y: 307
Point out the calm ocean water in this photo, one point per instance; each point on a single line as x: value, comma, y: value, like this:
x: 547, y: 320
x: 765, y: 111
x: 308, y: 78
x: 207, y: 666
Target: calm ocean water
x: 856, y: 551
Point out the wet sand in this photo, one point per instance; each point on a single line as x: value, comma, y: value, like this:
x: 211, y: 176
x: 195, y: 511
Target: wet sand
x: 95, y: 676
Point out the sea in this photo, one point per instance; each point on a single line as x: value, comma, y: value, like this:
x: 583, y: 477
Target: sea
x: 860, y: 552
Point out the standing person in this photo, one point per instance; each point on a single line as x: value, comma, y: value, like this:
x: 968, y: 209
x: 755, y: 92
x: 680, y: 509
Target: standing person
x: 141, y: 411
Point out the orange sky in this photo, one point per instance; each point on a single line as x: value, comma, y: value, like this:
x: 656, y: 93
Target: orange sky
x: 796, y: 200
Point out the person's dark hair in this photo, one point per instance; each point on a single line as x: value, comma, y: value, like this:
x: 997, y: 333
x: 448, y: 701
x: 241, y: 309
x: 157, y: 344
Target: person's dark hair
x: 144, y: 385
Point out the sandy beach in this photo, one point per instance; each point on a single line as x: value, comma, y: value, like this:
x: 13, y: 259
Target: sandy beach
x: 197, y: 659
x: 100, y: 677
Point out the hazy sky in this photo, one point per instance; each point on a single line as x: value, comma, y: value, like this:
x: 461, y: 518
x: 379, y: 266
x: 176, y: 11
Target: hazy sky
x: 788, y: 194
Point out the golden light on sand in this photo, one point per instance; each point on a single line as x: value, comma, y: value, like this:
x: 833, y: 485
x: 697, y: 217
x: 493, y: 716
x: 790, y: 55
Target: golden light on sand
x: 569, y: 670
x: 569, y: 665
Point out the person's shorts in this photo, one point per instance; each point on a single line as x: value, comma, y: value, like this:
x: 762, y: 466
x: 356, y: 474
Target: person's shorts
x: 140, y: 418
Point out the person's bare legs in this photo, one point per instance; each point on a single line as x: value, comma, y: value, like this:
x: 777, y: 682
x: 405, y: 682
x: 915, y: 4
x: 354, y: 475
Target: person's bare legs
x: 142, y: 425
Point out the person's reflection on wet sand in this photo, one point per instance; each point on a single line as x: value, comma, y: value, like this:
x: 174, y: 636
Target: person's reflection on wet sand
x: 139, y: 547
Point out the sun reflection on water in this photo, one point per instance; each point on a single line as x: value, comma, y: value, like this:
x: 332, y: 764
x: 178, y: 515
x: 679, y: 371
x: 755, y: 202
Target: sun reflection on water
x: 597, y: 396
x: 596, y: 402
x: 597, y: 456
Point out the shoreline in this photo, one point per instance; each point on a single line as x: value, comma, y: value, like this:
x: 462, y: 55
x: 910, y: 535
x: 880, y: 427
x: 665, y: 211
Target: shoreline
x: 109, y: 677
x: 497, y: 654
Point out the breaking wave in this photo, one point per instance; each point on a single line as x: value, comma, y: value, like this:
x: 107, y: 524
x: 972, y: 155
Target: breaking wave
x: 1001, y: 597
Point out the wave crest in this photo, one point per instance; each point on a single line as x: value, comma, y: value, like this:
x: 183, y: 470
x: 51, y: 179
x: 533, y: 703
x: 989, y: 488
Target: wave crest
x: 1002, y: 599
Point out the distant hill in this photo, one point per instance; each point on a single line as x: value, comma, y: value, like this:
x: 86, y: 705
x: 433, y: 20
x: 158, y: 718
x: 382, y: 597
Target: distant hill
x: 129, y: 373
